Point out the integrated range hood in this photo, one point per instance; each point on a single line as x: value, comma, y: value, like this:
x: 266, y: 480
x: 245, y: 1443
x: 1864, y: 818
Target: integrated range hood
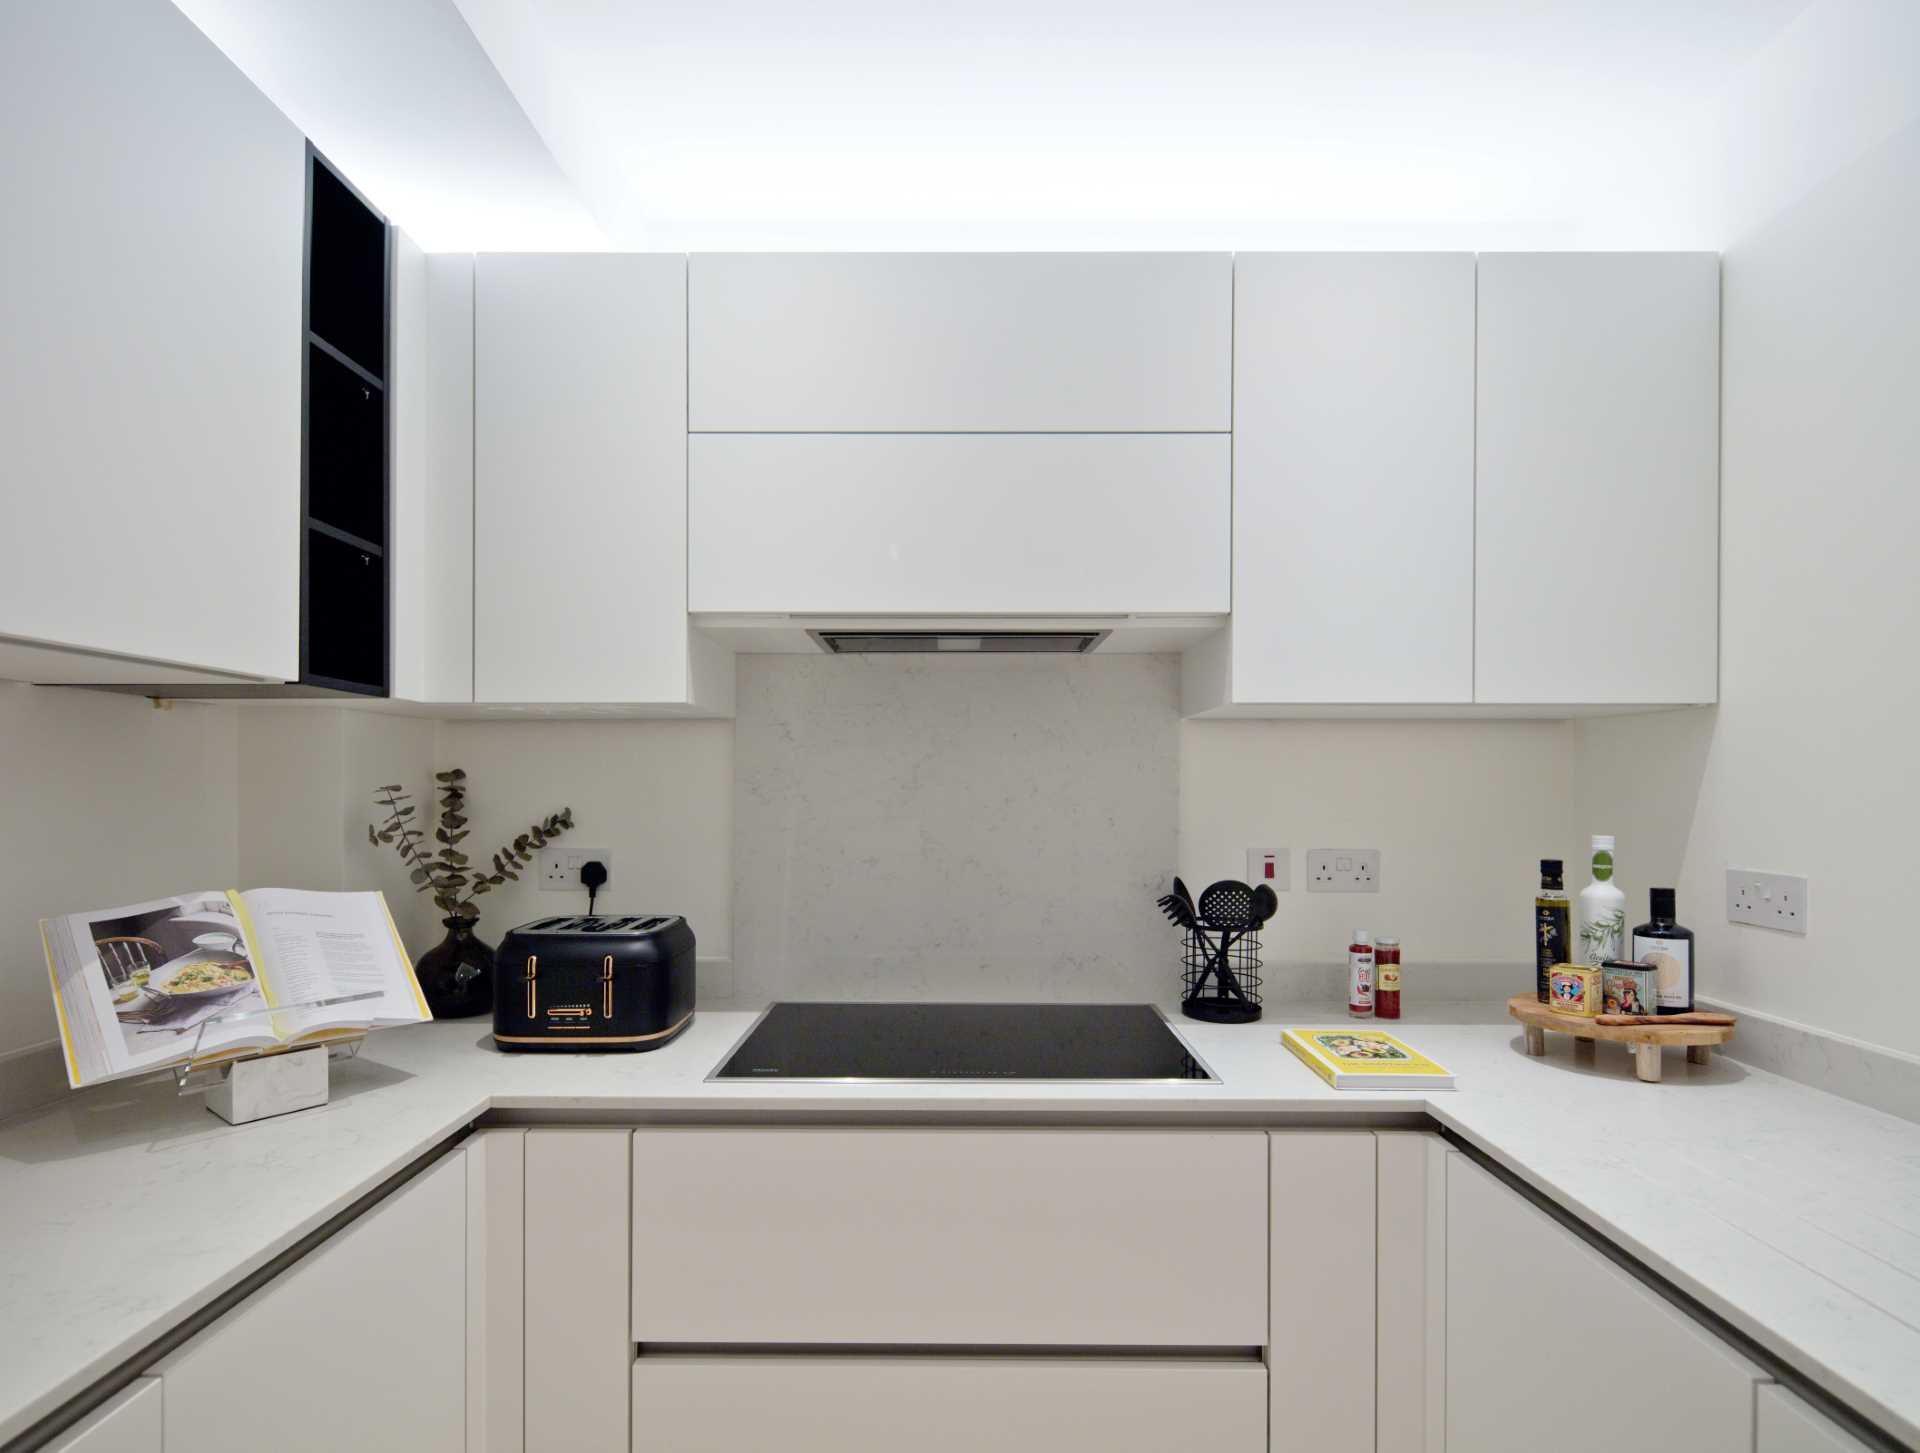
x: 925, y: 642
x: 954, y: 636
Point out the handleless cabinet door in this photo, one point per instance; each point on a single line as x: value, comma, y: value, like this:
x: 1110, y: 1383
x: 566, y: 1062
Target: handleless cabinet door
x: 1353, y: 478
x: 960, y: 524
x: 1790, y: 1425
x: 829, y: 1404
x: 364, y: 1340
x: 129, y: 1422
x: 578, y: 1232
x: 1082, y: 1238
x: 975, y: 342
x: 1525, y: 1295
x: 1320, y: 1352
x: 579, y: 463
x: 1597, y: 483
x: 150, y: 371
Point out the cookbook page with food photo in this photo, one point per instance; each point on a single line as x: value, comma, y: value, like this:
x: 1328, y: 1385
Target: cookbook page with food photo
x: 133, y: 986
x: 146, y: 987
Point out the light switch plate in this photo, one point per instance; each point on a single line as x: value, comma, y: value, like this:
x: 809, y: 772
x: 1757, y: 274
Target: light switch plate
x: 1767, y: 900
x: 1343, y: 870
x: 560, y: 869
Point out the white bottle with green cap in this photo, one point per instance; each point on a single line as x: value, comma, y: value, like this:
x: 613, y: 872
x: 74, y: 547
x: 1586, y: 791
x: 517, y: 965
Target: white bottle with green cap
x: 1602, y: 913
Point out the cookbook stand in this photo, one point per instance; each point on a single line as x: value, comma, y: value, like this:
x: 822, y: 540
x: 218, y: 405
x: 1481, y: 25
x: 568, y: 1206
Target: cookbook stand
x: 248, y: 1085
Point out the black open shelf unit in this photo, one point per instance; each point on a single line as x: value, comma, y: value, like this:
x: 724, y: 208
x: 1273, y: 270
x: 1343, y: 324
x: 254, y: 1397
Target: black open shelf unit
x: 345, y: 509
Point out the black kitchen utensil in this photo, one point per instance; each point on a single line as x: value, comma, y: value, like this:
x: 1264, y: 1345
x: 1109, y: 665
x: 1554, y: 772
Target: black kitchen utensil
x: 1265, y: 904
x: 1221, y: 946
x: 1180, y: 892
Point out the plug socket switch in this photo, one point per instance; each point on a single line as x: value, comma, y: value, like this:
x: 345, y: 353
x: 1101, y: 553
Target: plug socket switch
x: 560, y: 868
x: 1343, y: 870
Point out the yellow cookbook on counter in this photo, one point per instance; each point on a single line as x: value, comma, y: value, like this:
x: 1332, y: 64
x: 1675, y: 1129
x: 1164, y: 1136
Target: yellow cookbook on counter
x: 1366, y: 1059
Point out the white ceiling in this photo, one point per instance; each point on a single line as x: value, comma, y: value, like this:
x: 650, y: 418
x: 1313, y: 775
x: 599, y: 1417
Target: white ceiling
x: 715, y: 124
x: 400, y: 96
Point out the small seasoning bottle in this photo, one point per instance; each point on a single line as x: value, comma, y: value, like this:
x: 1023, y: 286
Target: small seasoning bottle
x: 1360, y: 975
x: 1386, y: 978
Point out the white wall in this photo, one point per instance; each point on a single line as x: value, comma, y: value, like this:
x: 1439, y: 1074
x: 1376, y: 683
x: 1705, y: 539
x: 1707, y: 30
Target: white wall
x: 104, y: 800
x: 306, y: 775
x: 1808, y: 764
x: 658, y: 795
x: 1461, y: 811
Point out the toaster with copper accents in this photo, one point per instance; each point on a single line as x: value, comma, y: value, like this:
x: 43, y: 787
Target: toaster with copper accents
x: 587, y: 983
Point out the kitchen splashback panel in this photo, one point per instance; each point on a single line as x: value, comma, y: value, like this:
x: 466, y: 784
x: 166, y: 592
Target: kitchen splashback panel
x: 974, y: 829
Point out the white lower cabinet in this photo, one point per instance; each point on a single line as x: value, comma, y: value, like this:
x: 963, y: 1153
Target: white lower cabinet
x: 1788, y: 1425
x: 1320, y: 1349
x: 1410, y: 1292
x: 835, y: 1404
x: 1531, y: 1305
x: 578, y: 1230
x: 128, y: 1422
x: 360, y: 1344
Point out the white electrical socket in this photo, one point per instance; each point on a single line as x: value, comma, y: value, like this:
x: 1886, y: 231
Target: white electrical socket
x: 1272, y: 866
x: 560, y: 869
x: 1343, y: 870
x: 1769, y: 900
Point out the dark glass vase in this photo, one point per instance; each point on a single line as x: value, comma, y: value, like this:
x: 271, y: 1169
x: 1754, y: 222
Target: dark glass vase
x: 456, y: 974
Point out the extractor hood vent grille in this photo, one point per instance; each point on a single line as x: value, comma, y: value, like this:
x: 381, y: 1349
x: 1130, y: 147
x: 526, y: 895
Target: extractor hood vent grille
x: 958, y: 643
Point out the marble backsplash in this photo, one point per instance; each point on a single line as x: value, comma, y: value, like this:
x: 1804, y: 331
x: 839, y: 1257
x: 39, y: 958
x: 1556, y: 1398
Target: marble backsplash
x: 941, y: 828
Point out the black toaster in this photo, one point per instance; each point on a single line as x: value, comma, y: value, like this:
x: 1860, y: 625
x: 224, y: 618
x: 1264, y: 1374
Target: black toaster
x: 593, y: 983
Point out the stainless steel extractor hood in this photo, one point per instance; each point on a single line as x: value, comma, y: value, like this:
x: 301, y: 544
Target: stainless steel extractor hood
x: 932, y: 642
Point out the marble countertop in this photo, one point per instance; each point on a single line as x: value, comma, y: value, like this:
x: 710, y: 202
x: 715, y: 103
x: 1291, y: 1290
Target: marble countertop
x: 1793, y: 1214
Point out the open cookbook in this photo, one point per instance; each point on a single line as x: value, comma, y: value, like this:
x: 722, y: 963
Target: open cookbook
x: 214, y: 976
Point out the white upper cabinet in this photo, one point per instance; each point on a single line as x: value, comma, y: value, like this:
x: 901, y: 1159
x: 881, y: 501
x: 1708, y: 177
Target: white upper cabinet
x: 1597, y: 483
x: 432, y: 430
x: 1353, y: 478
x: 150, y: 376
x: 959, y: 523
x: 580, y: 479
x: 978, y: 342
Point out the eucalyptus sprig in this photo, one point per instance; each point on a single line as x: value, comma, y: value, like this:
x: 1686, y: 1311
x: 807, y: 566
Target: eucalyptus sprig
x: 447, y: 873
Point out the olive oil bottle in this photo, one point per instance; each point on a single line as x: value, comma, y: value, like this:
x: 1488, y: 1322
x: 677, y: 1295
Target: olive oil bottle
x: 1552, y: 925
x: 1669, y: 948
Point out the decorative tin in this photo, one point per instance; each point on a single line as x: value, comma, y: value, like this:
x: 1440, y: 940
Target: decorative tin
x: 1574, y: 989
x: 1628, y: 986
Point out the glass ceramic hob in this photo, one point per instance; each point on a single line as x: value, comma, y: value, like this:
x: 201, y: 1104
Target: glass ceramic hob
x: 1087, y: 1043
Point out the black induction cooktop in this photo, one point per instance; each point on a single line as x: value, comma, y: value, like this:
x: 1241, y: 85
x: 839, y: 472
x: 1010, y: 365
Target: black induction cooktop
x: 1112, y: 1043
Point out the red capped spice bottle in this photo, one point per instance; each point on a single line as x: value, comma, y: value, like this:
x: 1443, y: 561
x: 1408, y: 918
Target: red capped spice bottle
x: 1386, y: 978
x: 1360, y: 975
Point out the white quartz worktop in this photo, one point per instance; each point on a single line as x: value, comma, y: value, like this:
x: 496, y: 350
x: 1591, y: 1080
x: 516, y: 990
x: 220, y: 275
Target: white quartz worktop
x: 1793, y: 1214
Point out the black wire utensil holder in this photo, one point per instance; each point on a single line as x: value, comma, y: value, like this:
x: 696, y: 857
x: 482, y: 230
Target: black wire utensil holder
x: 1206, y: 992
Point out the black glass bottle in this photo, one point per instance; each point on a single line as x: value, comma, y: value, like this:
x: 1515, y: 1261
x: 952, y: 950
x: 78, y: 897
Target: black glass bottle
x: 1669, y: 948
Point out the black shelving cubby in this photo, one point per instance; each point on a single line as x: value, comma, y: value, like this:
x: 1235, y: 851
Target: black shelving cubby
x: 345, y: 418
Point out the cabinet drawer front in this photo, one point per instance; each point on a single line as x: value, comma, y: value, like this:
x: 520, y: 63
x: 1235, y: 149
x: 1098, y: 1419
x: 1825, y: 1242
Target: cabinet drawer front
x: 959, y: 524
x: 953, y: 1237
x: 984, y: 341
x: 946, y: 1405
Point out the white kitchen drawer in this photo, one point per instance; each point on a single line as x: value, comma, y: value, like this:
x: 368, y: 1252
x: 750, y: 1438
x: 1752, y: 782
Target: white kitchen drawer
x: 805, y: 1404
x: 979, y: 341
x: 960, y: 523
x: 955, y: 1237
